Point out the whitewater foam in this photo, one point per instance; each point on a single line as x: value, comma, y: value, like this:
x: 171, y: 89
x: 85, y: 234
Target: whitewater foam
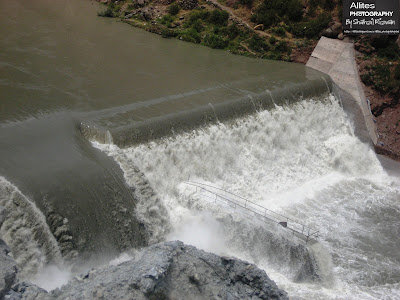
x: 303, y: 161
x: 51, y: 277
x: 25, y: 230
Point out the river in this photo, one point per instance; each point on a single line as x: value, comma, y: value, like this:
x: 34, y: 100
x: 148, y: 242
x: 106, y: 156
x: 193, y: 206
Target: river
x: 101, y: 123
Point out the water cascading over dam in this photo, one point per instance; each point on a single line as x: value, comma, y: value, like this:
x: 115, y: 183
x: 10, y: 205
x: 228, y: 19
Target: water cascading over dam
x: 301, y: 160
x: 163, y: 111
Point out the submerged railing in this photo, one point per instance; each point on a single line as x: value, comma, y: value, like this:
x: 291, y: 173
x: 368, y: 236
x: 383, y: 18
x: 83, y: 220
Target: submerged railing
x: 216, y: 194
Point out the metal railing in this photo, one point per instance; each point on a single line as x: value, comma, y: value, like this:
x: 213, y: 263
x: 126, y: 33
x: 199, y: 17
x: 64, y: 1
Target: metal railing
x: 216, y: 194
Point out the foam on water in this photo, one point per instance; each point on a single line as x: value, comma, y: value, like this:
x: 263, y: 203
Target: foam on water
x: 24, y: 229
x: 303, y: 161
x: 34, y: 248
x: 52, y: 277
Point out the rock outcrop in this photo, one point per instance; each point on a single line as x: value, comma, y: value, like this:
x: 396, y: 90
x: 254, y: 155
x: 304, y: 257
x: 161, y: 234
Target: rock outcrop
x: 333, y: 31
x: 8, y: 269
x: 188, y: 4
x: 169, y: 270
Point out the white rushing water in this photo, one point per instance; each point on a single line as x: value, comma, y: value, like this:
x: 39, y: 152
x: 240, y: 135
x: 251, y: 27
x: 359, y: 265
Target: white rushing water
x: 35, y: 250
x: 303, y: 161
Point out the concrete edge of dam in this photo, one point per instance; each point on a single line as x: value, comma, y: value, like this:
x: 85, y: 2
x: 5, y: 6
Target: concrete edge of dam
x: 336, y: 58
x: 193, y: 118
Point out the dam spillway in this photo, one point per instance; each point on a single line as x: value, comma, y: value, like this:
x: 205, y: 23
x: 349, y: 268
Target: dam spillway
x: 71, y: 88
x: 263, y: 129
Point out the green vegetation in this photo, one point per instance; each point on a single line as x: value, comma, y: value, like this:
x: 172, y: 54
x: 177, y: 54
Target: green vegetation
x: 383, y: 77
x: 287, y: 25
x: 397, y: 72
x: 231, y: 31
x: 381, y: 58
x: 390, y: 51
x: 311, y: 28
x: 282, y: 46
x: 197, y: 15
x: 284, y: 21
x: 258, y: 44
x: 107, y: 13
x: 218, y: 17
x: 290, y: 12
x: 167, y: 20
x: 271, y: 12
x: 248, y: 3
x: 215, y: 41
x: 173, y: 9
x: 328, y: 4
x: 325, y: 5
x: 279, y: 31
x: 272, y: 40
x: 168, y: 33
x: 210, y: 29
x: 190, y: 35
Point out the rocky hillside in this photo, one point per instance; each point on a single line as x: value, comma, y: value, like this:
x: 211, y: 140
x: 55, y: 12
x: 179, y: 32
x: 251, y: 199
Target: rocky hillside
x: 169, y: 270
x: 273, y: 29
x: 378, y: 59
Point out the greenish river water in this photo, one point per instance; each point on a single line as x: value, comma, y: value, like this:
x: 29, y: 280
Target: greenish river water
x: 160, y: 111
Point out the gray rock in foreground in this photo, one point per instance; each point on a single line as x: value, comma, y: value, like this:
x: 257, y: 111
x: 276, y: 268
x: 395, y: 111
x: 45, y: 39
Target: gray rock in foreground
x: 169, y: 270
x: 8, y: 269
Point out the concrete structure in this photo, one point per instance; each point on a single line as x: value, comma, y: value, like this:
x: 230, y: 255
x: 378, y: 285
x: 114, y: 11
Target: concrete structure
x: 336, y: 58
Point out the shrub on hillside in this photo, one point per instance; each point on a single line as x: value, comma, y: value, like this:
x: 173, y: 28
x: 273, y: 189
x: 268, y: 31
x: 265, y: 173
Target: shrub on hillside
x: 381, y: 77
x: 218, y: 17
x: 167, y: 20
x: 280, y: 31
x: 282, y: 46
x: 258, y: 44
x: 366, y: 78
x: 272, y: 40
x: 196, y: 25
x: 391, y: 51
x: 295, y: 10
x: 197, y: 15
x: 311, y: 28
x: 397, y: 72
x: 324, y: 4
x: 248, y: 3
x: 232, y: 31
x: 174, y: 9
x: 272, y: 11
x: 215, y: 41
x: 329, y: 4
x: 190, y: 35
x: 107, y: 13
x: 167, y: 33
x: 264, y: 16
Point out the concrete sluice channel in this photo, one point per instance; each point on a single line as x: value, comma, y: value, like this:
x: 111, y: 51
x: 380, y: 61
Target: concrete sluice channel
x: 100, y: 125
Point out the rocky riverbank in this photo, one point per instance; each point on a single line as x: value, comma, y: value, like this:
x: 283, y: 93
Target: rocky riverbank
x: 280, y: 30
x: 378, y: 60
x: 169, y: 270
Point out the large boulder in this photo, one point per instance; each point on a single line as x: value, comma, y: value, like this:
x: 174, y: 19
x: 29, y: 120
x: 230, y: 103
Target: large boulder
x: 333, y: 31
x: 8, y: 269
x: 169, y: 270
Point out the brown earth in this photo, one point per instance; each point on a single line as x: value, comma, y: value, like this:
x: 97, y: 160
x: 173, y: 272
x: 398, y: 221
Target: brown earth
x: 301, y: 55
x: 386, y: 110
